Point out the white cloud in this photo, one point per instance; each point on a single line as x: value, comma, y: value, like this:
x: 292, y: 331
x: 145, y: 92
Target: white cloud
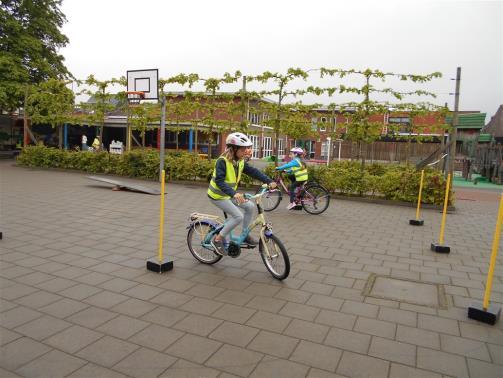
x: 212, y: 37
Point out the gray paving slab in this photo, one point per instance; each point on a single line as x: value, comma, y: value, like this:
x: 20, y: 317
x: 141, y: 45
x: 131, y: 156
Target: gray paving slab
x: 75, y: 297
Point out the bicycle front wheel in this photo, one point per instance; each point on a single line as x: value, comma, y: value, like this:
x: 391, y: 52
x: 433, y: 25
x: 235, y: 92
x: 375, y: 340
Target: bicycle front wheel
x: 195, y: 238
x: 277, y: 262
x: 271, y: 199
x: 315, y: 199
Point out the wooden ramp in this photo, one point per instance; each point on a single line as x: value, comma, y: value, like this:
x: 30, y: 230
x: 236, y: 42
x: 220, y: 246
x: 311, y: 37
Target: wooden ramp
x: 120, y: 185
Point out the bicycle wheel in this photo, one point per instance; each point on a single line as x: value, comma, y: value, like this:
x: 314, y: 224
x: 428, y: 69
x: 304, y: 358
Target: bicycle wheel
x: 195, y: 237
x: 271, y: 199
x: 315, y: 199
x: 278, y: 263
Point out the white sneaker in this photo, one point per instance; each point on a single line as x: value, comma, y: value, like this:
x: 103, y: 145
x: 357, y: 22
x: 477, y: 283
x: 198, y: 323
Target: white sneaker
x: 291, y: 206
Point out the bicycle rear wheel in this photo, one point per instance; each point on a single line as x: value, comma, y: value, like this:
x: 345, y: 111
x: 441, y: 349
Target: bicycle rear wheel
x: 278, y: 263
x: 271, y: 199
x: 195, y: 237
x: 315, y: 199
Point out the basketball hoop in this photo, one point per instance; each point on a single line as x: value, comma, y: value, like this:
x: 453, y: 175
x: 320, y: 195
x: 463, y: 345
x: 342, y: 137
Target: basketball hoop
x: 134, y: 97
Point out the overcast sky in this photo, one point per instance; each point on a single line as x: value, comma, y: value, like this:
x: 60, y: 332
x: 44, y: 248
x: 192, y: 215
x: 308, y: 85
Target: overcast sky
x: 212, y: 37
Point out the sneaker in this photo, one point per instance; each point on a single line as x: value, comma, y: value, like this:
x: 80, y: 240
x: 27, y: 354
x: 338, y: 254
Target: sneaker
x: 219, y: 247
x: 251, y: 240
x: 291, y: 206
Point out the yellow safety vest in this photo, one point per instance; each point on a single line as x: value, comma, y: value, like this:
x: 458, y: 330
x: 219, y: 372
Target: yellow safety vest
x: 300, y: 172
x: 230, y: 179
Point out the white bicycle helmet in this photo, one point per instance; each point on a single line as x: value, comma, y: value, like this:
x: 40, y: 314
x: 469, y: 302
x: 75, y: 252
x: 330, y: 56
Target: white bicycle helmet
x: 297, y: 151
x: 238, y: 140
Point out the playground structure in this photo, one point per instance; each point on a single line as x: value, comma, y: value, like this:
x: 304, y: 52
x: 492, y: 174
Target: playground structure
x: 487, y: 160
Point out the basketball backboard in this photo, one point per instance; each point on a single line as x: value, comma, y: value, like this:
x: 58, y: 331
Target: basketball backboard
x: 144, y: 81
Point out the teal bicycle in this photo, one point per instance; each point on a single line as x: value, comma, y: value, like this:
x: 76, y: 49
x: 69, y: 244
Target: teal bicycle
x: 203, y: 228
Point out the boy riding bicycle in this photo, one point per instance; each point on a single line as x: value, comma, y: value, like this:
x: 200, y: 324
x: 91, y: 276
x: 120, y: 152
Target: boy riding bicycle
x: 297, y: 173
x: 224, y: 183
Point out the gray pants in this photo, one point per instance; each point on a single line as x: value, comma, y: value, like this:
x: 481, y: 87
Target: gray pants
x: 235, y: 216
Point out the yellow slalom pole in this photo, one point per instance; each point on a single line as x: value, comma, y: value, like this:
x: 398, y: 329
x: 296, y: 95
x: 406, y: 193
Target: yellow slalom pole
x: 494, y: 254
x: 161, y: 218
x: 444, y: 214
x: 419, y: 197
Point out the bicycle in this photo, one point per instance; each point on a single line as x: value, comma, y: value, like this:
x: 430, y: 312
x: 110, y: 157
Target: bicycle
x: 203, y: 228
x: 310, y: 196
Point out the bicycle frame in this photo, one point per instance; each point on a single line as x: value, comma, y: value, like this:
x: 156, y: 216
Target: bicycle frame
x: 281, y: 185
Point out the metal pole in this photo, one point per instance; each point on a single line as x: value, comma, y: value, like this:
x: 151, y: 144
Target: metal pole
x: 452, y: 154
x: 419, y: 196
x: 25, y: 120
x: 163, y: 136
x: 340, y: 142
x: 161, y: 217
x: 444, y: 213
x: 494, y: 254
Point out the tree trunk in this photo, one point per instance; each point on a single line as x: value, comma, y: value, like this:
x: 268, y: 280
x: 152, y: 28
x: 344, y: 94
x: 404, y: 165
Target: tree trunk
x: 101, y: 134
x: 276, y: 162
x: 195, y: 140
x: 407, y: 151
x: 60, y: 137
x: 210, y: 137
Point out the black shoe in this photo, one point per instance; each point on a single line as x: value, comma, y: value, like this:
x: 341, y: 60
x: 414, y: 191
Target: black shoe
x: 219, y: 247
x: 251, y: 240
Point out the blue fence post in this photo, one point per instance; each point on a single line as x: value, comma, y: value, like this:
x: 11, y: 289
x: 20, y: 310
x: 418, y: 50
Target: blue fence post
x: 191, y: 139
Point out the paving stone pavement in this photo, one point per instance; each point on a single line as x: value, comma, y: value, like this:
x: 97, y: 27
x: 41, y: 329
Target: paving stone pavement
x: 77, y: 301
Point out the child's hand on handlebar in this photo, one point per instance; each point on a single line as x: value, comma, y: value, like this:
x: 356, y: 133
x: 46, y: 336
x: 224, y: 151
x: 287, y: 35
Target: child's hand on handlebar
x: 239, y: 197
x: 273, y: 185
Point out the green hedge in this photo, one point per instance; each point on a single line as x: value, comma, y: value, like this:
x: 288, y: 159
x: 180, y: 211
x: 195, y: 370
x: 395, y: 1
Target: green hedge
x: 390, y: 181
x: 137, y: 163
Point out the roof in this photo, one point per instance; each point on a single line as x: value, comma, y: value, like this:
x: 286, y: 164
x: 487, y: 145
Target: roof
x: 469, y: 121
x: 495, y: 125
x: 485, y: 137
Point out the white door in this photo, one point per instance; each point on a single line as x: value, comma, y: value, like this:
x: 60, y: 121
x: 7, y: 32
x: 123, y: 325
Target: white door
x: 267, y: 146
x: 256, y: 146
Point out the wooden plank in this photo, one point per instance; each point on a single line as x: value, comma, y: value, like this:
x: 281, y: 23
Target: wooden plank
x: 123, y: 185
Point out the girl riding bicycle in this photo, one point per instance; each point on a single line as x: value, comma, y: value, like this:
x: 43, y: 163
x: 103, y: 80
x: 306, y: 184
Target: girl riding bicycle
x: 224, y: 183
x: 297, y: 173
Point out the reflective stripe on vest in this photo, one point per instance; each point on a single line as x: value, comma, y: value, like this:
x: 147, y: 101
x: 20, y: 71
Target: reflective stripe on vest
x: 300, y: 172
x: 230, y: 179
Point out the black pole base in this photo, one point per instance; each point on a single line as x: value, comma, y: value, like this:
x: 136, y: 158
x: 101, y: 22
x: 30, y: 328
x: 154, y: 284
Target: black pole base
x: 489, y: 315
x: 416, y: 222
x: 157, y: 266
x: 1, y: 235
x: 440, y: 248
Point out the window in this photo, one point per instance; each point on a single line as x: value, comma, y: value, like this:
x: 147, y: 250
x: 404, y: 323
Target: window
x: 402, y: 120
x: 323, y: 125
x: 254, y: 118
x: 281, y: 149
x: 314, y: 124
x: 267, y: 146
x: 170, y: 137
x: 324, y: 149
x: 256, y: 146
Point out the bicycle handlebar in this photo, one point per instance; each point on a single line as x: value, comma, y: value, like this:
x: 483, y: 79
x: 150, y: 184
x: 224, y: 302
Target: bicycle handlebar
x: 259, y: 194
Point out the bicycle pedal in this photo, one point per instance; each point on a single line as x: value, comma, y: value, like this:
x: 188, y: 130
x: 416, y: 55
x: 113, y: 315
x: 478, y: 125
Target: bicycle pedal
x: 248, y: 246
